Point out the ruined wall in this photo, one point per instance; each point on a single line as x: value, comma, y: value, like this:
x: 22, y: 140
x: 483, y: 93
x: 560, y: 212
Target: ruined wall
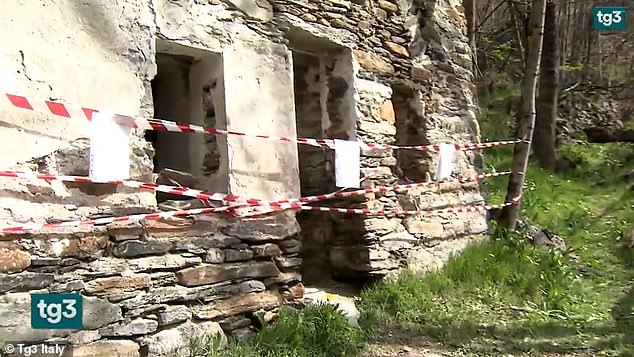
x: 412, y: 85
x: 148, y: 289
x: 389, y: 72
x: 155, y: 285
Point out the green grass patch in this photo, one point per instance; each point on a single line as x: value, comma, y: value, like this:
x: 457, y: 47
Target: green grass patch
x: 316, y: 331
x: 505, y: 296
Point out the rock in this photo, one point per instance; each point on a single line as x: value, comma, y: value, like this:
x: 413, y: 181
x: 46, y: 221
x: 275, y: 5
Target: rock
x: 136, y: 248
x: 84, y: 337
x: 114, y: 266
x: 118, y: 348
x: 174, y: 314
x: 145, y: 311
x: 397, y: 241
x: 199, y: 245
x: 176, y: 293
x: 168, y: 261
x: 71, y: 286
x: 421, y: 74
x: 235, y: 322
x: 283, y: 278
x: 243, y: 334
x: 257, y: 9
x: 24, y: 281
x: 290, y: 246
x: 373, y: 62
x: 428, y: 229
x: 396, y: 48
x: 275, y: 227
x: 138, y: 326
x: 286, y: 262
x: 382, y: 128
x: 213, y: 274
x: 66, y: 160
x: 542, y: 238
x: 116, y: 287
x: 235, y: 255
x: 13, y: 260
x: 423, y: 260
x: 15, y: 317
x: 128, y: 232
x: 45, y: 261
x: 251, y: 286
x: 309, y: 18
x: 381, y: 225
x: 237, y: 305
x: 388, y: 6
x: 82, y: 248
x: 163, y: 278
x: 387, y: 112
x: 374, y: 254
x: 214, y: 256
x: 177, y: 341
x: 267, y: 250
x: 293, y: 293
x: 98, y: 313
x: 346, y: 305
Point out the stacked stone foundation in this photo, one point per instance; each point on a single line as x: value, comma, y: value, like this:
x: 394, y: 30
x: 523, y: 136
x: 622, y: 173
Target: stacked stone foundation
x: 153, y: 288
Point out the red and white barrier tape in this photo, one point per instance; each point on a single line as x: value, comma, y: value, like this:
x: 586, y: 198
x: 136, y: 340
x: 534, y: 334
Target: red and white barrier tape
x: 369, y: 212
x: 159, y: 215
x: 108, y: 220
x: 72, y: 111
x: 214, y: 196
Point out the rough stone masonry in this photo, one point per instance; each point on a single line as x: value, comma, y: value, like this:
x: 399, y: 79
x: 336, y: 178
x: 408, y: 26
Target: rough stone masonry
x: 384, y: 71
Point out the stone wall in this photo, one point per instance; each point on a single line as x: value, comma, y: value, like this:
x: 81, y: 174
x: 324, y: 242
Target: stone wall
x: 150, y: 287
x: 412, y: 85
x: 383, y: 71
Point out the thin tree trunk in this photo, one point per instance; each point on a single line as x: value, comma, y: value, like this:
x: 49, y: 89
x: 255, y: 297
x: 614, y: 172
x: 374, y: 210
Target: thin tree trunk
x: 518, y: 36
x: 564, y: 33
x: 546, y: 119
x: 521, y: 152
x: 575, y: 51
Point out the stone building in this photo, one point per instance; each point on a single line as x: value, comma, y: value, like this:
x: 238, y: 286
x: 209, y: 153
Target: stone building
x: 382, y: 71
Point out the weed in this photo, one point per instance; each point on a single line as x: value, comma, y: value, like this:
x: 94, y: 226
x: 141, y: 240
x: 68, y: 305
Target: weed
x: 316, y: 331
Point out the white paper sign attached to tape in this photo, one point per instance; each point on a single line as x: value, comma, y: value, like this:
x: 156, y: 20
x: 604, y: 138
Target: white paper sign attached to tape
x: 109, y: 148
x: 8, y: 83
x: 445, y: 161
x: 347, y: 163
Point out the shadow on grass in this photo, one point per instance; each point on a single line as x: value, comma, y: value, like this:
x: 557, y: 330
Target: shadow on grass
x: 535, y: 338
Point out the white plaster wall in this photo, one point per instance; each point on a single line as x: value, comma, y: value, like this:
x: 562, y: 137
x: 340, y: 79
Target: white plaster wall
x: 66, y: 50
x: 260, y: 99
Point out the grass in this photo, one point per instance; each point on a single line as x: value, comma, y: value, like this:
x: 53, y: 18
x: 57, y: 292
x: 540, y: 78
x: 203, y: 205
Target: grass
x: 504, y: 296
x: 316, y: 331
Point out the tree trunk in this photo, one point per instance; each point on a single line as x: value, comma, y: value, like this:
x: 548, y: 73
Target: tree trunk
x: 518, y: 35
x: 526, y: 123
x: 546, y: 120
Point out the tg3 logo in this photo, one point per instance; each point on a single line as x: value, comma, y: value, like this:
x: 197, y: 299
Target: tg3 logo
x: 608, y: 18
x: 56, y: 311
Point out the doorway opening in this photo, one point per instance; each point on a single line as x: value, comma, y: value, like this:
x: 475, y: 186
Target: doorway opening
x: 189, y: 88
